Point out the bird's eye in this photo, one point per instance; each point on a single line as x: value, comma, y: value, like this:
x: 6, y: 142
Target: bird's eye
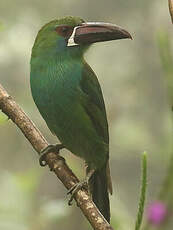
x: 64, y: 31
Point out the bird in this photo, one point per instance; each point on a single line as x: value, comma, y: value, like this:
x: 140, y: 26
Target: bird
x: 68, y: 95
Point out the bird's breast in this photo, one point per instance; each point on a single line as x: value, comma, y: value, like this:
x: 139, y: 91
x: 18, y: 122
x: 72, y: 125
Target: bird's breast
x: 55, y: 88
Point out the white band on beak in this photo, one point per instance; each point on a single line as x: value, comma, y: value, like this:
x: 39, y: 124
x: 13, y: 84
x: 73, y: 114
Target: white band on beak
x: 71, y: 41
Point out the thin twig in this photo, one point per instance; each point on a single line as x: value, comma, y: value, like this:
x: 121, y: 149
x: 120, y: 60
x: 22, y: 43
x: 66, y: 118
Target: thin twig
x: 170, y: 2
x: 56, y: 163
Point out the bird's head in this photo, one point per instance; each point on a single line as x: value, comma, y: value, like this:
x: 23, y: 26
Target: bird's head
x: 74, y: 34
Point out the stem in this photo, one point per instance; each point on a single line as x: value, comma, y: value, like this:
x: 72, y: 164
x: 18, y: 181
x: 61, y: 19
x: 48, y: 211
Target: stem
x: 143, y: 192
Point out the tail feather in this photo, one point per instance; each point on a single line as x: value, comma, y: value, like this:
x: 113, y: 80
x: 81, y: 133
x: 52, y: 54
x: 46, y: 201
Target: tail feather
x: 98, y: 185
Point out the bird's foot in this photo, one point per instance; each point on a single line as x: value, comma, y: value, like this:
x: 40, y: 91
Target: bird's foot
x: 50, y: 148
x: 75, y: 188
x: 82, y: 184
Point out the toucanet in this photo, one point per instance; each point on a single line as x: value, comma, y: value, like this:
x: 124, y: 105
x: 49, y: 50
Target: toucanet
x: 68, y: 95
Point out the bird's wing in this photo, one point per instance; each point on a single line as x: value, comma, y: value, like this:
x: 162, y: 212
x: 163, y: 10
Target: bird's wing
x: 94, y: 102
x: 95, y: 108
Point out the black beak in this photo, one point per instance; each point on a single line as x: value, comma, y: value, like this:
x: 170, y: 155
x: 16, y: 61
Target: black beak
x: 92, y: 32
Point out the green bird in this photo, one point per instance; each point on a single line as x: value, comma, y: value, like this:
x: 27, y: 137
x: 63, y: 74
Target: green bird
x: 68, y: 95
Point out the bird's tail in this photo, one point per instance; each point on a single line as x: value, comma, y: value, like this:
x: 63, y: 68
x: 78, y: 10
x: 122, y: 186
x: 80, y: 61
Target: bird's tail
x: 100, y: 186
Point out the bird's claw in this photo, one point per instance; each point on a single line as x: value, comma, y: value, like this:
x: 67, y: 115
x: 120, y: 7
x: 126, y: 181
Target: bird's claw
x: 42, y: 160
x: 75, y: 188
x: 48, y: 149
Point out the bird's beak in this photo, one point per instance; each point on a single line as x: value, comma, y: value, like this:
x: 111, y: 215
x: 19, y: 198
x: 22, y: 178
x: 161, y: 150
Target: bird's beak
x: 91, y: 32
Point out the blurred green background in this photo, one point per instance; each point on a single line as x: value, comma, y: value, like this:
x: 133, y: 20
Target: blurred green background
x: 133, y: 78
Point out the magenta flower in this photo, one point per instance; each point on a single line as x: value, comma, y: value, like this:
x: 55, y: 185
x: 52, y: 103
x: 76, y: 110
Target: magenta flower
x: 156, y: 212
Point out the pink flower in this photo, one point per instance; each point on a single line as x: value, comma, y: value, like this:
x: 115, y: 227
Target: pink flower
x: 156, y: 212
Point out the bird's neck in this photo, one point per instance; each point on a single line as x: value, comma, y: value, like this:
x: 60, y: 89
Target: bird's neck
x: 46, y: 59
x: 56, y: 70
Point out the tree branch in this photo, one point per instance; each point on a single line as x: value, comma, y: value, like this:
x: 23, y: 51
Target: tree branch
x: 56, y: 163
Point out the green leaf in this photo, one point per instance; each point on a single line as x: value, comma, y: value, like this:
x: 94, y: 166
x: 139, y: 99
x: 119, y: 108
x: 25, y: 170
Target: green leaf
x: 143, y: 192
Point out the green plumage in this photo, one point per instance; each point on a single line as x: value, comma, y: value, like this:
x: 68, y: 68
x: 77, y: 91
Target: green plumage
x: 68, y: 96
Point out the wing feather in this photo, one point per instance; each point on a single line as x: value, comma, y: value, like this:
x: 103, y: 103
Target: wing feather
x: 94, y: 102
